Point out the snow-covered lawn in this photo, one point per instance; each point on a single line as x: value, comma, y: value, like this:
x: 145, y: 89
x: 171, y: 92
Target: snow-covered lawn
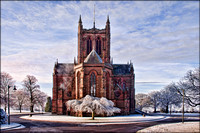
x: 179, y: 114
x: 12, y: 112
x: 11, y: 126
x: 113, y: 119
x: 175, y: 127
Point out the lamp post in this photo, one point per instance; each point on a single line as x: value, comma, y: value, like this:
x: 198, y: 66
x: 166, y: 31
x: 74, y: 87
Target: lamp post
x: 9, y: 102
x: 183, y: 107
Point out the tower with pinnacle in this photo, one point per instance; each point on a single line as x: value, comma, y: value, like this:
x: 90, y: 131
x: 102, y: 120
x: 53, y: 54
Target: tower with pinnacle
x: 93, y: 73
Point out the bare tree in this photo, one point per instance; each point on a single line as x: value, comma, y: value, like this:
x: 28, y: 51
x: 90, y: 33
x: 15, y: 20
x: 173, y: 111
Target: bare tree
x: 190, y: 84
x: 41, y: 98
x: 30, y: 84
x: 20, y: 98
x: 6, y: 80
x: 155, y: 96
x: 93, y: 105
x: 142, y: 100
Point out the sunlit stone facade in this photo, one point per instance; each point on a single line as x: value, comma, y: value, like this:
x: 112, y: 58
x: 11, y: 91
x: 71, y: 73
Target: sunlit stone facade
x: 93, y: 73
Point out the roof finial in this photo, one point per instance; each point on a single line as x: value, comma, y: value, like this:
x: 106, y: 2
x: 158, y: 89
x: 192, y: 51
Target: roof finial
x: 56, y: 62
x: 94, y: 17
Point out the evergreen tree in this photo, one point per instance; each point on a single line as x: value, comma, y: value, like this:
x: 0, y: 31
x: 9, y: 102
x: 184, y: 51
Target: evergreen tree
x: 48, y: 105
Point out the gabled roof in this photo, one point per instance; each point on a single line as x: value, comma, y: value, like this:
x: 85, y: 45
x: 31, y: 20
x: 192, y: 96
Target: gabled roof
x: 64, y: 68
x: 121, y: 69
x: 93, y: 58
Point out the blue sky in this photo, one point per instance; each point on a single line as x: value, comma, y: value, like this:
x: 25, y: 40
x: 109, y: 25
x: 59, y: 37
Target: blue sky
x: 161, y: 38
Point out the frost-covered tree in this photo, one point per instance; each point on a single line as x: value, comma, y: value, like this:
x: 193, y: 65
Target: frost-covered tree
x: 190, y: 84
x: 41, y: 98
x: 92, y: 105
x: 155, y: 98
x: 48, y: 105
x: 142, y: 100
x: 20, y: 98
x: 6, y: 80
x: 168, y: 97
x: 30, y: 85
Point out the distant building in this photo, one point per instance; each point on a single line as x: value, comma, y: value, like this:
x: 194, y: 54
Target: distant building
x: 93, y: 73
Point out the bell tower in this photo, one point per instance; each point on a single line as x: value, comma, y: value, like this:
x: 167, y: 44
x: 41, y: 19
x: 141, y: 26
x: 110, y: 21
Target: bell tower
x: 97, y: 39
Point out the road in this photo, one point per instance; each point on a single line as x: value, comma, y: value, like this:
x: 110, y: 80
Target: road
x: 45, y: 126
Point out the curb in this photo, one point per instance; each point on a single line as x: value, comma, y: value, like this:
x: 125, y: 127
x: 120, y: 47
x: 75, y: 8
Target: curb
x: 123, y: 122
x: 11, y: 127
x: 99, y: 122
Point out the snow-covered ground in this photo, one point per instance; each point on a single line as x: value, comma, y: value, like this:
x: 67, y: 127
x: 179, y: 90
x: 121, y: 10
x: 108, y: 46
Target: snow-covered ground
x: 104, y: 120
x: 179, y: 114
x: 11, y: 126
x: 12, y: 112
x: 175, y: 127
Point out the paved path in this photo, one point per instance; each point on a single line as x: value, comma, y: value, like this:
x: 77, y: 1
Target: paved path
x: 45, y: 126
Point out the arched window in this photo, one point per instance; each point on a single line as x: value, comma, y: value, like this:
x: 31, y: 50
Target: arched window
x: 78, y: 83
x: 93, y: 84
x: 98, y: 46
x: 107, y: 85
x: 89, y: 45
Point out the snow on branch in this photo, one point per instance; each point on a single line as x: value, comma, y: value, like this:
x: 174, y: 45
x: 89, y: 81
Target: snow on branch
x: 92, y: 104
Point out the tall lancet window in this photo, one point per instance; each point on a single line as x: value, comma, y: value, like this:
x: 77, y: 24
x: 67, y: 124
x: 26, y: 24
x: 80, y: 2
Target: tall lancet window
x: 98, y: 46
x: 93, y: 84
x: 89, y: 45
x: 78, y: 84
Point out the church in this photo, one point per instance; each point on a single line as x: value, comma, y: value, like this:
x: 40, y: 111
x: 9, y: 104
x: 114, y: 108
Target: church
x: 93, y: 73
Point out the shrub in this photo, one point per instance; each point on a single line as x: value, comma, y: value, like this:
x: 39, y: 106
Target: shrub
x: 3, y: 116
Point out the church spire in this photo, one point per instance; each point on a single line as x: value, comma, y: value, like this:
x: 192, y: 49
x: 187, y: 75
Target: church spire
x: 94, y: 17
x: 80, y: 21
x: 108, y: 21
x: 108, y: 25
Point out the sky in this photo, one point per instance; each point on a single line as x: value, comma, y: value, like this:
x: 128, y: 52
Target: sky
x: 161, y: 38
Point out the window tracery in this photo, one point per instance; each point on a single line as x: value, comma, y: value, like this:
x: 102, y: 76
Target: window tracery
x: 98, y: 45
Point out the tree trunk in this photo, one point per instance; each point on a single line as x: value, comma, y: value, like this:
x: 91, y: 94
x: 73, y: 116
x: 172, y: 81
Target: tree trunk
x: 92, y: 115
x: 5, y: 104
x: 154, y: 110
x: 5, y: 108
x: 155, y: 107
x: 167, y: 109
x: 20, y: 108
x: 170, y: 109
x: 31, y: 108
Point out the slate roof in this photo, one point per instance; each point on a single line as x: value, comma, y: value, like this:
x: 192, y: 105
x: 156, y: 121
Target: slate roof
x: 93, y: 58
x: 121, y: 69
x: 64, y: 68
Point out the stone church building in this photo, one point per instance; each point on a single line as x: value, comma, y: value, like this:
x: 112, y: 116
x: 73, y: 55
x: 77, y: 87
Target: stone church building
x: 93, y: 73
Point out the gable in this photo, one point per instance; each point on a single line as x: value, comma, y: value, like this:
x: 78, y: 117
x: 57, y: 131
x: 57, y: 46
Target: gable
x: 93, y: 58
